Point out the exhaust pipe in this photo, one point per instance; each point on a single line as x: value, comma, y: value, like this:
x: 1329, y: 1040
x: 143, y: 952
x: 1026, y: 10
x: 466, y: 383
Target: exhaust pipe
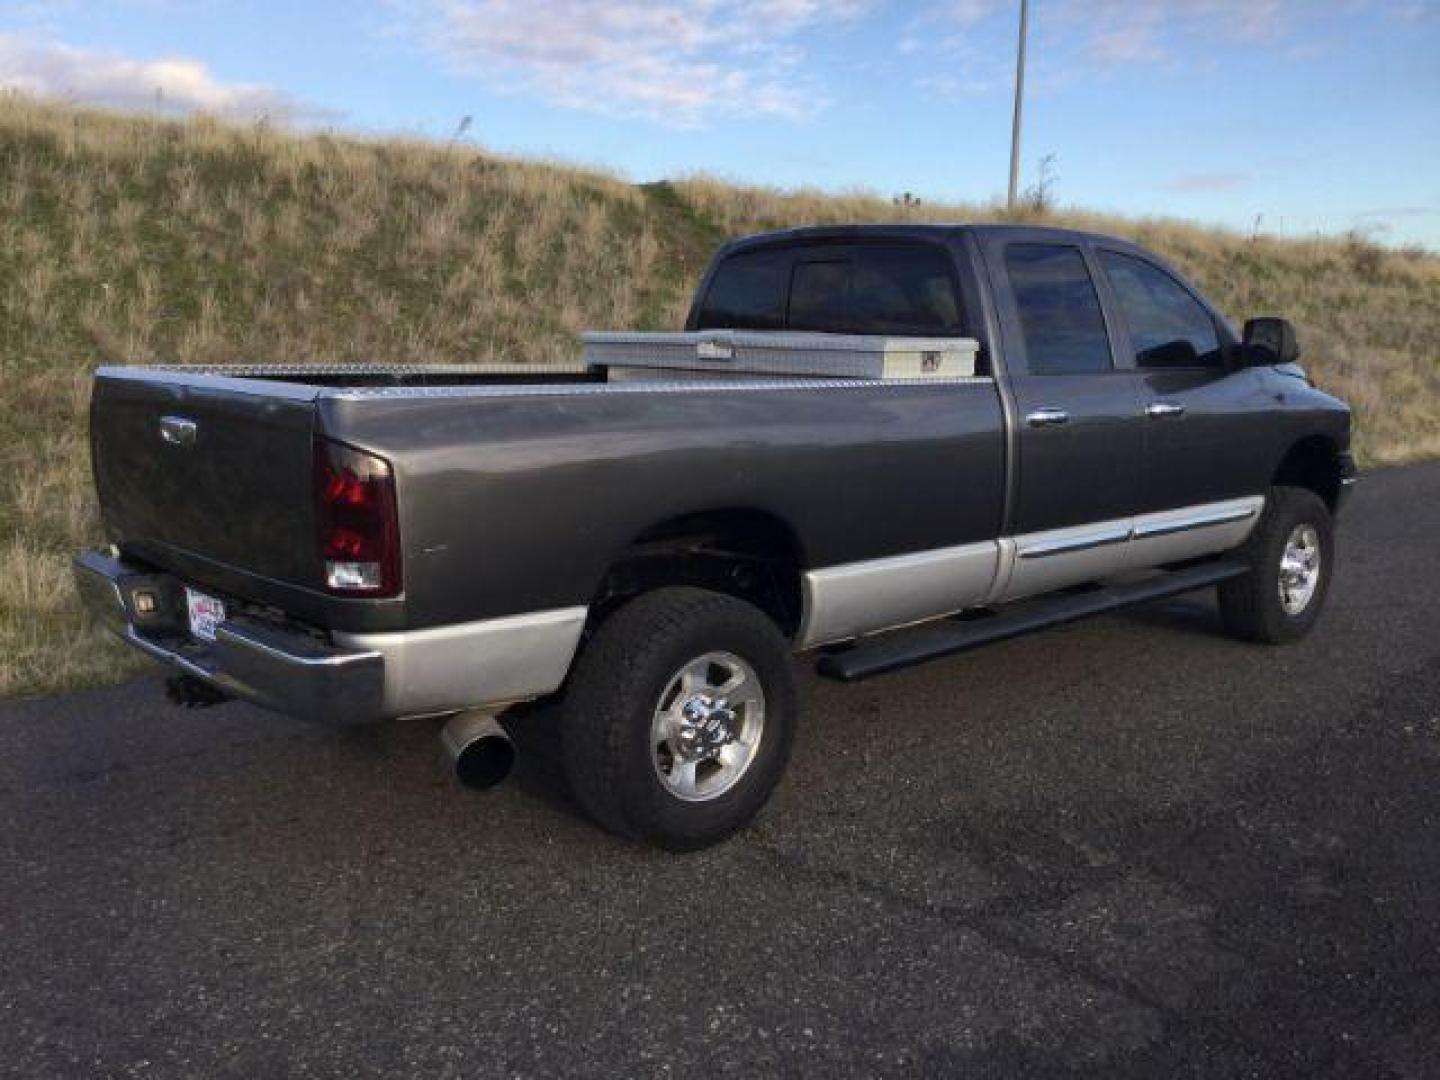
x: 191, y: 693
x: 480, y: 752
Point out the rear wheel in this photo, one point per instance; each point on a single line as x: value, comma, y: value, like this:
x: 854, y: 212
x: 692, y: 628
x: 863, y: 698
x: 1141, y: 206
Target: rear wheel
x: 678, y: 722
x: 1291, y: 556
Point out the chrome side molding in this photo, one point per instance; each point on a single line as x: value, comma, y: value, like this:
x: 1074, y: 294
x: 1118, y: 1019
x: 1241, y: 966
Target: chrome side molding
x: 1060, y: 557
x: 1064, y: 541
x: 1188, y: 533
x: 860, y: 598
x: 1197, y: 517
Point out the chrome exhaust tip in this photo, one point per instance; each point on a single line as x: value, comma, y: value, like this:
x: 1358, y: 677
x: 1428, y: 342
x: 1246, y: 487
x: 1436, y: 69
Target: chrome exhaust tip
x: 480, y: 752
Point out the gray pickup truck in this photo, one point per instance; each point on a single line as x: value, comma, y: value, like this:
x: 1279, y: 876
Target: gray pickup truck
x: 649, y: 547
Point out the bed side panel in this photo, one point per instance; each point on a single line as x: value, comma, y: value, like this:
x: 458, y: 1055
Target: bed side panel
x: 517, y: 502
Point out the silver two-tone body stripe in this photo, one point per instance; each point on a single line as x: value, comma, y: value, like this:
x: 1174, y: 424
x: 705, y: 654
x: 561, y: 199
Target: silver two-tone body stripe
x: 864, y: 597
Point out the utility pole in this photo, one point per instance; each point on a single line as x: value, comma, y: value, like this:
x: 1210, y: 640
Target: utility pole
x: 1019, y: 105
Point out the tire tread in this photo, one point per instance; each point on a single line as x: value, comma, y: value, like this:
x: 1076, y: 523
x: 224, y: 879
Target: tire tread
x: 1249, y: 606
x: 600, y: 710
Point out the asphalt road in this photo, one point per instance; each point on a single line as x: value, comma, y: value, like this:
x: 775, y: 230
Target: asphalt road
x: 1131, y: 847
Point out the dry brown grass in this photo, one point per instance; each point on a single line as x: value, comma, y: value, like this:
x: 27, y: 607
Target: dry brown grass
x: 46, y: 510
x: 136, y: 240
x: 129, y: 240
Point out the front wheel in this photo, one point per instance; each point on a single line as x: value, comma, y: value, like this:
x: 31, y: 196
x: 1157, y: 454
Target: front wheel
x: 1291, y: 556
x: 679, y: 719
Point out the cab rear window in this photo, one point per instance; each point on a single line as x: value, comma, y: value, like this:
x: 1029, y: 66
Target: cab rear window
x: 747, y: 292
x: 818, y: 293
x: 900, y: 289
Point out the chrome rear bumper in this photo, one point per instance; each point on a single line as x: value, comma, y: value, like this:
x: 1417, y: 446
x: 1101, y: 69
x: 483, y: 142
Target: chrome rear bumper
x: 274, y: 668
x: 339, y: 678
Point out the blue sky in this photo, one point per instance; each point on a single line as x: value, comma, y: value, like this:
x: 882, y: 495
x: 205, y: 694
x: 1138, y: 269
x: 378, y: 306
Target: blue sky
x: 1308, y: 114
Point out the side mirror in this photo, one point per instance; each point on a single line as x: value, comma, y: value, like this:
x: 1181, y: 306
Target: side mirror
x: 1270, y: 341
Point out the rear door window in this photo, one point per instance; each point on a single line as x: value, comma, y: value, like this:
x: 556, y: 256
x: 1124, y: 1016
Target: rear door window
x: 1168, y: 327
x: 1060, y: 318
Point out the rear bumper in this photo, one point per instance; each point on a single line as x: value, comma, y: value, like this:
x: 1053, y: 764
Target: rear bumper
x: 277, y: 669
x: 352, y: 679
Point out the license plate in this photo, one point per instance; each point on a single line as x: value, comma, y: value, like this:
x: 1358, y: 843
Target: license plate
x: 206, y: 613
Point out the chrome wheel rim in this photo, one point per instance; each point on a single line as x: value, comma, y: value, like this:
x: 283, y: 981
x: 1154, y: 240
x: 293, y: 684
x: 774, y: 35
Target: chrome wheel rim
x: 707, y: 726
x: 1299, y: 569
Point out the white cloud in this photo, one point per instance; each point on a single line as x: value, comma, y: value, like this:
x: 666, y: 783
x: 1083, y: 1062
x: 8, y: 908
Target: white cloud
x: 1207, y: 182
x: 967, y: 12
x: 172, y: 84
x: 679, y: 62
x: 1075, y: 35
x: 1129, y: 31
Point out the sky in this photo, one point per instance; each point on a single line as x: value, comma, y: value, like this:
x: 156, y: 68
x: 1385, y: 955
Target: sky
x: 1290, y: 116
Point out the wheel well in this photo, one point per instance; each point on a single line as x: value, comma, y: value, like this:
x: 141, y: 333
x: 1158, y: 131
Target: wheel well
x: 749, y: 554
x: 1312, y: 463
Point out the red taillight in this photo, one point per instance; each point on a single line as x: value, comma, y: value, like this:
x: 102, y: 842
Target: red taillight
x: 359, y: 530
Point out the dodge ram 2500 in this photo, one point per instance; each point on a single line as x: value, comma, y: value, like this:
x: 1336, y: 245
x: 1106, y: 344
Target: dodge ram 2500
x: 647, y: 543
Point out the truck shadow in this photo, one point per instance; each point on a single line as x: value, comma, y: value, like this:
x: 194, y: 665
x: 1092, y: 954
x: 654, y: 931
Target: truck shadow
x: 539, y: 771
x: 1188, y: 614
x: 535, y: 728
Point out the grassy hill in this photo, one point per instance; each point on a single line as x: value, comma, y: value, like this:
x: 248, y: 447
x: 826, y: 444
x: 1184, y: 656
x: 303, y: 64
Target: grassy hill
x: 136, y: 240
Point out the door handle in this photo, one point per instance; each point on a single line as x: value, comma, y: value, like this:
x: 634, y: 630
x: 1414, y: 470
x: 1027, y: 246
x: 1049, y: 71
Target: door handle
x: 1047, y: 417
x: 1160, y: 410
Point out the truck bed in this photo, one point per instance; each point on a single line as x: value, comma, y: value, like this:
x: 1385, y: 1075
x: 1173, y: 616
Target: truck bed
x: 518, y: 486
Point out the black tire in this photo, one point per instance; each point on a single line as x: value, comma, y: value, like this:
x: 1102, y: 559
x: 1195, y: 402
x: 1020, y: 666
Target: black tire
x: 616, y: 689
x: 1251, y: 607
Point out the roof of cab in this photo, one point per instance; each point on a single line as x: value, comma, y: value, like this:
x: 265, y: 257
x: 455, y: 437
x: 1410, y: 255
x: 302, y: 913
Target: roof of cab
x: 932, y: 231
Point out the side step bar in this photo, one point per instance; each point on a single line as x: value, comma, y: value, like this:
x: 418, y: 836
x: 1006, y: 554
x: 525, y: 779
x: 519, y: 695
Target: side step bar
x: 891, y: 653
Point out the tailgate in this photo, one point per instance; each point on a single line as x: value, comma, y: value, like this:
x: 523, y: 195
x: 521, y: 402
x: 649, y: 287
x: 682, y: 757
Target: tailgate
x: 193, y: 470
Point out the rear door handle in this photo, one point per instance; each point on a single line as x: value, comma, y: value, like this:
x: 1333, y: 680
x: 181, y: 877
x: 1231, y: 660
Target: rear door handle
x: 1047, y: 417
x: 1159, y: 410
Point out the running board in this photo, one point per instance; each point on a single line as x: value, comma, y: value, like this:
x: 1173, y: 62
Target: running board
x: 891, y: 653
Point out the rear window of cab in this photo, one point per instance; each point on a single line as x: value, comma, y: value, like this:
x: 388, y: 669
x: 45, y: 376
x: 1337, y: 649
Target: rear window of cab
x: 899, y: 289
